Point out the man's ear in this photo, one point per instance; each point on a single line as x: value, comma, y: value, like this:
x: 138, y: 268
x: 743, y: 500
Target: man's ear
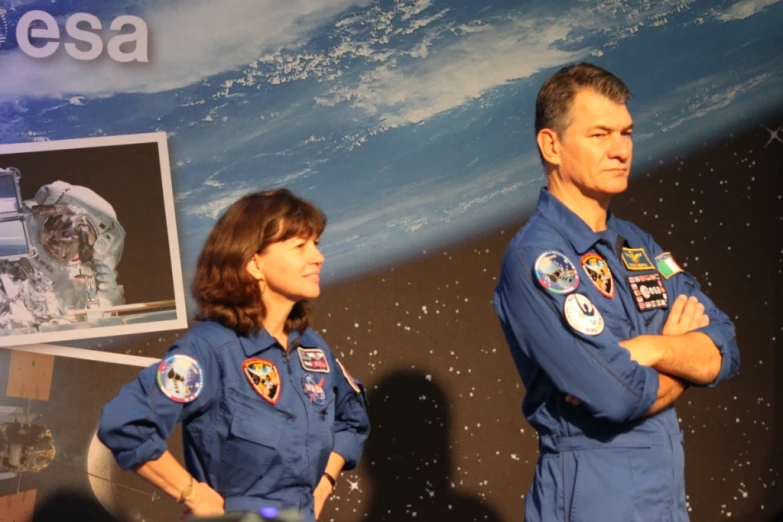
x: 253, y: 268
x: 549, y: 146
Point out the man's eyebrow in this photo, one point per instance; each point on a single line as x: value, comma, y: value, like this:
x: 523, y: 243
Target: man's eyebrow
x: 606, y: 128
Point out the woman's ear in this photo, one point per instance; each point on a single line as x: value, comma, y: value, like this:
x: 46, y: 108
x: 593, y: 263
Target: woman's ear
x: 253, y: 268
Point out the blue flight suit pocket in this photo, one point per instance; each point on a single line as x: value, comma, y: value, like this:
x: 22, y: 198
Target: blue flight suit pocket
x: 624, y: 484
x: 600, y: 481
x: 249, y: 451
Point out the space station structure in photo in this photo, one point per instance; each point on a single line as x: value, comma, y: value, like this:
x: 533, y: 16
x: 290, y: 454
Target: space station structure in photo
x: 26, y: 446
x: 58, y: 256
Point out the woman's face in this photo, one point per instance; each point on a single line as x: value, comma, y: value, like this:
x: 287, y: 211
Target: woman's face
x: 290, y: 269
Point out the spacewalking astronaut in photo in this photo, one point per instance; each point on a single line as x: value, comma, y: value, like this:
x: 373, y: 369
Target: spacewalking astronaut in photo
x: 75, y: 244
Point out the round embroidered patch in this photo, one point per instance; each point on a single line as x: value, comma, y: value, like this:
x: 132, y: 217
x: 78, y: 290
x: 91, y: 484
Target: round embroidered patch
x: 582, y: 315
x: 556, y: 273
x: 180, y: 378
x: 314, y: 390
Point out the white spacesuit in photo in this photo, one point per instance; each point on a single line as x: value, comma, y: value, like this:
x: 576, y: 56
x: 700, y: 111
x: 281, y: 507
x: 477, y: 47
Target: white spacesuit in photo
x: 75, y: 245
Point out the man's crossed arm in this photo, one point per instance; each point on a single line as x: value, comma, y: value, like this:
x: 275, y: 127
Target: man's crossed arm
x: 679, y: 354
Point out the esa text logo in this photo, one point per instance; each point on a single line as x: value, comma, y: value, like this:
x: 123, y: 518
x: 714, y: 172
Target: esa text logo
x: 83, y: 28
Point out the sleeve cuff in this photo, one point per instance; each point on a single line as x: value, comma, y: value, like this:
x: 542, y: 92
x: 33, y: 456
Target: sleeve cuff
x: 151, y: 449
x: 726, y: 342
x: 649, y: 393
x: 348, y: 446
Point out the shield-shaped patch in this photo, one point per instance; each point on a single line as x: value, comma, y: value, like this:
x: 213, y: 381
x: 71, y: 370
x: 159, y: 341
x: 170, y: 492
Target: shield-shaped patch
x: 264, y: 378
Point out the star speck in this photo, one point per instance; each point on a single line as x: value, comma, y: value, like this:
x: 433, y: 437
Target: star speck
x: 773, y: 135
x: 353, y: 486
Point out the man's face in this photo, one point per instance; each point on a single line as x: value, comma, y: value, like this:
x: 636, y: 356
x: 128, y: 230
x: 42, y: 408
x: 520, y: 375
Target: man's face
x: 596, y: 148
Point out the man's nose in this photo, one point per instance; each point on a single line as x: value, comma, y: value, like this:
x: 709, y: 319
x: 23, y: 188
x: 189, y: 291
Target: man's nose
x: 621, y: 148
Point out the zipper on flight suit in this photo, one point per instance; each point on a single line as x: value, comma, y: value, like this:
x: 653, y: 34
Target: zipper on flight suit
x: 307, y: 415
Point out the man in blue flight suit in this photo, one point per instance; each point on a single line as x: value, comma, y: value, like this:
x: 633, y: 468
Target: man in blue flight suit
x: 605, y: 328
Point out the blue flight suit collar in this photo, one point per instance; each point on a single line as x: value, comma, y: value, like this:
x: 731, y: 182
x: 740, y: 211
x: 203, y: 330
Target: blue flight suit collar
x: 574, y: 229
x: 263, y: 340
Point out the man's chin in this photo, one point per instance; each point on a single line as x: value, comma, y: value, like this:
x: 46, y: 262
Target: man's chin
x: 616, y: 187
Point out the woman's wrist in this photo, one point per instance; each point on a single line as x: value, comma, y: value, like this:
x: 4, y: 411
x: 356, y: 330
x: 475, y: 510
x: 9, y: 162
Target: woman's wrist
x: 330, y: 479
x: 187, y: 491
x: 195, y: 496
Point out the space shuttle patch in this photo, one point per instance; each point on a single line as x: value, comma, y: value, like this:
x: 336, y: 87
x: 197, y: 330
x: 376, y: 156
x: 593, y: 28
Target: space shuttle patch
x: 264, y: 378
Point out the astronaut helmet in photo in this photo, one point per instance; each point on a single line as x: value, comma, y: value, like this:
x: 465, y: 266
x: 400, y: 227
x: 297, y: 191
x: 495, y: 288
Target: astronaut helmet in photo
x: 84, y: 221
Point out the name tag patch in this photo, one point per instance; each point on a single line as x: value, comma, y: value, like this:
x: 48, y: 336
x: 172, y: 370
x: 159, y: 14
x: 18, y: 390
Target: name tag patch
x: 313, y: 360
x: 648, y: 291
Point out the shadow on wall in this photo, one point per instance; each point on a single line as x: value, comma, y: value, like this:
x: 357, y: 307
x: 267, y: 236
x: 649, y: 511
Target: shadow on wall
x: 408, y: 455
x: 68, y: 505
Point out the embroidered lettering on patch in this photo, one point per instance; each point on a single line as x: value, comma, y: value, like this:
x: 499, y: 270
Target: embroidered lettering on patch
x: 598, y: 271
x: 264, y: 378
x: 556, y: 273
x: 666, y: 264
x: 313, y: 360
x: 348, y: 377
x: 314, y: 390
x: 180, y: 378
x: 582, y: 315
x: 636, y: 259
x: 649, y: 292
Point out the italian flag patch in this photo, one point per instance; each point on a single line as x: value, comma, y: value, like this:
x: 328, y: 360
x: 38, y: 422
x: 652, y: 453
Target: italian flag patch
x: 666, y: 265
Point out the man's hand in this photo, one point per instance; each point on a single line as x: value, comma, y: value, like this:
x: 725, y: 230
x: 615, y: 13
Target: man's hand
x: 687, y: 314
x: 205, y: 501
x: 321, y: 494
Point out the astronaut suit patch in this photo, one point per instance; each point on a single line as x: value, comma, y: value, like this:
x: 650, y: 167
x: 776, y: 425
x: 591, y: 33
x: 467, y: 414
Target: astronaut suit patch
x: 180, y: 378
x: 598, y: 270
x: 264, y: 378
x: 648, y: 291
x: 351, y: 381
x: 313, y: 360
x: 556, y: 273
x: 582, y: 315
x: 636, y: 259
x: 314, y: 390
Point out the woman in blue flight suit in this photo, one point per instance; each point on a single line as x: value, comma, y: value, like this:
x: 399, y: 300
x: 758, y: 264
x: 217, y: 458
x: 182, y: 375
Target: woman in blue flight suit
x: 269, y: 416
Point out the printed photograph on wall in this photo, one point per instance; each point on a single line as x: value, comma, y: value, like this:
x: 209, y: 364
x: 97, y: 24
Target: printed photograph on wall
x: 88, y: 242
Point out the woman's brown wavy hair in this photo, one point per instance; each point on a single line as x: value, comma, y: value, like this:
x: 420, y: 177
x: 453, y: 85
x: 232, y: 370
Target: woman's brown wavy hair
x: 224, y: 291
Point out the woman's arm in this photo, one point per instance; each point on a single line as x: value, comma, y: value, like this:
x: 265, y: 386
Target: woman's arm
x: 325, y: 488
x: 169, y: 475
